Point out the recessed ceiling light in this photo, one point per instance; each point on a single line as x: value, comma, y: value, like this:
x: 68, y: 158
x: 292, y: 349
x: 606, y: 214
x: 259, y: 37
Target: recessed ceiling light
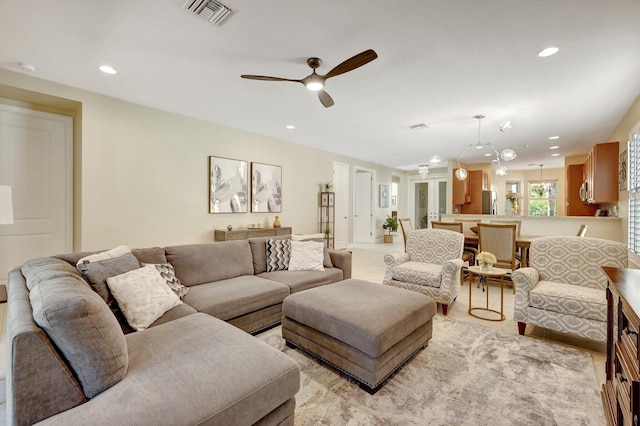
x: 488, y: 155
x: 290, y: 126
x: 521, y: 146
x: 548, y: 52
x: 27, y: 67
x: 554, y: 137
x: 554, y: 147
x: 107, y: 69
x: 555, y: 155
x: 419, y: 126
x: 494, y: 161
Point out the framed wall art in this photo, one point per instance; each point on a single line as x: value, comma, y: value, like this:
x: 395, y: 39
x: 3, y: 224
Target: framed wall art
x: 266, y: 188
x: 384, y: 195
x: 228, y: 185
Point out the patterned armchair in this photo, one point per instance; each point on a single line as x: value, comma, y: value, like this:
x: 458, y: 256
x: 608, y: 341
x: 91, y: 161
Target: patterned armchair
x: 564, y: 287
x: 431, y: 265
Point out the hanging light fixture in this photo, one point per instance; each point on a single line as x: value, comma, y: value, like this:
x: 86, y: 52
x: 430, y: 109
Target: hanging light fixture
x: 505, y: 154
x: 541, y: 188
x: 423, y: 170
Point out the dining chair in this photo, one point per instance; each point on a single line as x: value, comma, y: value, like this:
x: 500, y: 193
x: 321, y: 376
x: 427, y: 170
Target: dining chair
x: 469, y: 253
x: 518, y: 224
x: 405, y: 225
x: 499, y: 239
x: 582, y: 231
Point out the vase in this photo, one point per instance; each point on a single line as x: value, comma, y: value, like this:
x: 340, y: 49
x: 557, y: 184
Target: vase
x: 276, y: 223
x: 484, y: 266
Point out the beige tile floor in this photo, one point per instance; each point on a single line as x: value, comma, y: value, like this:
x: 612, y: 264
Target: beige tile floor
x: 368, y: 264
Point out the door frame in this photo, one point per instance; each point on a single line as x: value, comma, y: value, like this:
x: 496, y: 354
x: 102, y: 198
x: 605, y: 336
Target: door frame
x: 411, y: 190
x: 344, y: 198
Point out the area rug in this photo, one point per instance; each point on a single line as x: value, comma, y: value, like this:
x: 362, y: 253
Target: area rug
x: 468, y: 375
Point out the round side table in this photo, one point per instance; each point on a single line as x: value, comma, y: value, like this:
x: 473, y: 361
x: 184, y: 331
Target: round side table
x: 493, y: 273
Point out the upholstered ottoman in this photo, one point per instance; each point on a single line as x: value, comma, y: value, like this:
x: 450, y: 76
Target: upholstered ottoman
x: 364, y: 329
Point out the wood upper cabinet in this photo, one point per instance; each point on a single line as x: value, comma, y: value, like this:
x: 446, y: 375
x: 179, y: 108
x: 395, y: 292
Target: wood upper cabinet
x: 460, y: 190
x: 601, y: 173
x: 575, y: 205
x: 477, y: 179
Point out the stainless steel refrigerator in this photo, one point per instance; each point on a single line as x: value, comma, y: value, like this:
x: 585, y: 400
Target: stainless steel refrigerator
x: 489, y: 202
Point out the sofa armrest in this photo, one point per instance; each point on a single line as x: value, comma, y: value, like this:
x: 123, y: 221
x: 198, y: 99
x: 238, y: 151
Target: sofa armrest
x: 341, y: 259
x: 524, y: 280
x: 450, y: 285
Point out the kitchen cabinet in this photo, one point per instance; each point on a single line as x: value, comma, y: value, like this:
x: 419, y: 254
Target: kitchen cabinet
x: 575, y: 205
x: 601, y: 173
x: 477, y: 181
x: 460, y: 190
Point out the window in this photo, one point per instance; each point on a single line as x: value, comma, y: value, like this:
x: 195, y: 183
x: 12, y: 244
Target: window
x: 543, y: 198
x: 633, y: 177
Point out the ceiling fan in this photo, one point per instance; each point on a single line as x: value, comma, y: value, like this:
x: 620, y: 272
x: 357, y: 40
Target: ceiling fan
x: 315, y: 82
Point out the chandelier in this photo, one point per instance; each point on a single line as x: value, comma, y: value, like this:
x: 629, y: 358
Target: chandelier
x: 542, y: 187
x: 423, y: 169
x: 505, y: 154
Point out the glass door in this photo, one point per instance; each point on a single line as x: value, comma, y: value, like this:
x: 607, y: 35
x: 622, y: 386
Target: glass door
x: 427, y: 200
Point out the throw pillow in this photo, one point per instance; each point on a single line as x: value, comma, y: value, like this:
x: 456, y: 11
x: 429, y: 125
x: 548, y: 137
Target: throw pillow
x: 306, y: 256
x: 143, y: 296
x: 278, y: 253
x: 96, y: 273
x: 319, y: 238
x: 105, y: 255
x: 169, y: 275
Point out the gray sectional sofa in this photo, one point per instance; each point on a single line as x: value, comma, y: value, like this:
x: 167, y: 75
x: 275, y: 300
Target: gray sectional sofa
x: 196, y: 364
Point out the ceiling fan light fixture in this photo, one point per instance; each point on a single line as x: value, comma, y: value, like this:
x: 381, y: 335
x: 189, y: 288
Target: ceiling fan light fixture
x: 314, y: 83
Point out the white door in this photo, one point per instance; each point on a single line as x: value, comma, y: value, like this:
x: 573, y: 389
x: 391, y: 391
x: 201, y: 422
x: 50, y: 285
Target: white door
x: 362, y: 206
x: 36, y: 161
x: 427, y: 199
x: 341, y: 188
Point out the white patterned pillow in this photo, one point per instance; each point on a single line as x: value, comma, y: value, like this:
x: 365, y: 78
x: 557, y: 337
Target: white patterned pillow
x: 105, y: 255
x: 168, y: 273
x: 143, y: 296
x: 278, y: 253
x: 306, y: 256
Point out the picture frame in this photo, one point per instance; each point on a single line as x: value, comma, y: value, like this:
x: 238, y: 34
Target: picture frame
x: 393, y: 200
x: 228, y: 185
x: 266, y: 188
x: 384, y: 195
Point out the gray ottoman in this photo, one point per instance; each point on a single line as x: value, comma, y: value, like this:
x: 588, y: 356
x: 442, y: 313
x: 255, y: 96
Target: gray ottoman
x: 364, y: 329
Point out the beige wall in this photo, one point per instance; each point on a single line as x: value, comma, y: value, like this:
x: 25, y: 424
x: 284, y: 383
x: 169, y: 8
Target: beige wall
x: 141, y: 174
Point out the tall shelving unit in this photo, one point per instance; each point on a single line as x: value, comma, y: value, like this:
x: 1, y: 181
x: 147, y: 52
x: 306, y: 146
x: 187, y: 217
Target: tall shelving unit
x: 327, y: 216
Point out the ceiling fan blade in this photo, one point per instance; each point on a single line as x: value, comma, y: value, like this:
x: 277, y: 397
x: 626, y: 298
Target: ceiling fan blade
x: 352, y: 63
x: 325, y: 98
x: 267, y: 78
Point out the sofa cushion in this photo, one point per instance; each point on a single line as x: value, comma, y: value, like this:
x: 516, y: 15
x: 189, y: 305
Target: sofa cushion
x: 419, y: 273
x: 146, y: 255
x: 204, y: 263
x: 45, y: 268
x: 142, y: 295
x: 219, y: 374
x: 259, y: 252
x: 583, y: 302
x: 319, y: 238
x: 169, y: 275
x: 306, y: 256
x: 233, y: 297
x: 96, y: 273
x: 84, y: 330
x: 303, y: 280
x: 278, y: 255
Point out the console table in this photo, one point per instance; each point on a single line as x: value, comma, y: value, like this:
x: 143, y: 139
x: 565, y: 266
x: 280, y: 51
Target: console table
x: 621, y: 392
x: 246, y: 233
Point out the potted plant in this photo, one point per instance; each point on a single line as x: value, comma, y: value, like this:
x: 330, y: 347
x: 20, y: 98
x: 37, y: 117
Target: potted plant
x: 391, y: 223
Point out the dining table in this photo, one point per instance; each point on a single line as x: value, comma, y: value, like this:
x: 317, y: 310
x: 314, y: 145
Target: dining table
x: 522, y: 241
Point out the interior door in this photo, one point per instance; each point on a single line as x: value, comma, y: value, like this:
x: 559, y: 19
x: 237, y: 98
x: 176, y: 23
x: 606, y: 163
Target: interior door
x: 341, y: 188
x: 36, y: 161
x: 363, y: 211
x: 427, y: 200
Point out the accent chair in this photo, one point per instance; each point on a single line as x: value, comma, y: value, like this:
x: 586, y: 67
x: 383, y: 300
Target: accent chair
x: 431, y: 265
x: 564, y: 287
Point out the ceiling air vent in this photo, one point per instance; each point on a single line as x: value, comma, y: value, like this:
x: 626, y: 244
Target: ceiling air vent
x: 211, y: 10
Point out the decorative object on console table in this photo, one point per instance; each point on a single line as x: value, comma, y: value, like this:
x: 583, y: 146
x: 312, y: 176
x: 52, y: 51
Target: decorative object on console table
x: 246, y: 233
x: 276, y: 222
x: 266, y: 188
x: 327, y: 217
x: 228, y: 188
x: 621, y: 392
x: 384, y: 195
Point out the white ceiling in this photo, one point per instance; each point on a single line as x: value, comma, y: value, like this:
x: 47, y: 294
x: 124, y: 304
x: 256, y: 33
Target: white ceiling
x: 439, y: 62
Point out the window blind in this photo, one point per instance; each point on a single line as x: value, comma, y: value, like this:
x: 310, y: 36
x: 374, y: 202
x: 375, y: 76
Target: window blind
x: 633, y: 179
